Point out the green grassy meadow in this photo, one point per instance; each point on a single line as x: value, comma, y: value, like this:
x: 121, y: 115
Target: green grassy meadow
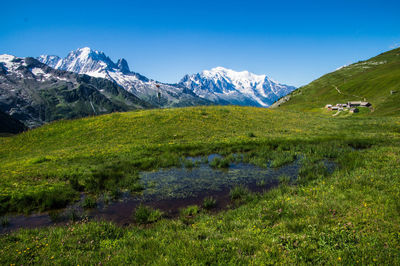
x: 371, y: 80
x: 351, y: 216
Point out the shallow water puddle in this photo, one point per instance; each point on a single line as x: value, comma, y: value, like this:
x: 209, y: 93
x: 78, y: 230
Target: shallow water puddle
x: 170, y: 190
x: 181, y: 183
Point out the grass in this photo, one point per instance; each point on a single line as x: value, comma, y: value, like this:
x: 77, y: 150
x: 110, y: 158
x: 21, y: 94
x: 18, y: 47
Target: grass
x: 261, y: 183
x: 209, y: 203
x: 220, y: 162
x: 238, y: 193
x: 99, y: 154
x: 372, y: 79
x: 89, y: 202
x: 145, y: 215
x: 4, y: 222
x: 350, y: 216
x: 284, y: 180
x: 282, y: 158
x: 347, y: 218
x: 190, y: 211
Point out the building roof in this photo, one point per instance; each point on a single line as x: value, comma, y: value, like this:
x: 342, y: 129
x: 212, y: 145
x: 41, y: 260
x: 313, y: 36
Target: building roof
x: 359, y: 103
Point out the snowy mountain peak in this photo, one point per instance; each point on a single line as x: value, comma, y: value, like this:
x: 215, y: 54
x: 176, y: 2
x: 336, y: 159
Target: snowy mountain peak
x: 94, y: 63
x: 219, y: 85
x: 6, y: 62
x: 223, y: 85
x: 242, y: 76
x: 86, y: 50
x: 87, y: 53
x: 11, y: 63
x: 6, y: 58
x: 50, y: 60
x: 86, y: 61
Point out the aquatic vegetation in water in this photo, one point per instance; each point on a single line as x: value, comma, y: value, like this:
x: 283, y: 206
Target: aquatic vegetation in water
x: 4, y: 222
x: 284, y: 180
x: 190, y: 211
x: 209, y: 203
x: 238, y: 193
x: 261, y: 183
x: 145, y: 214
x: 183, y: 183
x: 89, y: 202
x: 220, y: 163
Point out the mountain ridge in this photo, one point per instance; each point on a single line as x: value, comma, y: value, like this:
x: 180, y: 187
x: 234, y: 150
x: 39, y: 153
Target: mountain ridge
x: 97, y: 64
x: 34, y: 93
x: 249, y: 90
x: 243, y: 88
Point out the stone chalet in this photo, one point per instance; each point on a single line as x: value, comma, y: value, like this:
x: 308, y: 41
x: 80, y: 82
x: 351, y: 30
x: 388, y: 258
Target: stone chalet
x: 358, y: 103
x: 349, y: 105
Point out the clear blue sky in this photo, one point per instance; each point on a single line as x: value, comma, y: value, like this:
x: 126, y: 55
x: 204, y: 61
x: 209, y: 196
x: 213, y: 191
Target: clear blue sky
x: 293, y: 42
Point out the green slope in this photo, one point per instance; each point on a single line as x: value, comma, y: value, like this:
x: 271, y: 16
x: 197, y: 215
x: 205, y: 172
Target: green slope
x: 371, y: 80
x: 350, y: 216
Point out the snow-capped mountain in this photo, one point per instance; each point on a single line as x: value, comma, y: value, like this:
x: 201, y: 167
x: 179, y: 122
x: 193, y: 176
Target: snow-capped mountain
x: 97, y: 64
x: 86, y: 61
x: 225, y: 86
x: 35, y: 93
x: 218, y: 85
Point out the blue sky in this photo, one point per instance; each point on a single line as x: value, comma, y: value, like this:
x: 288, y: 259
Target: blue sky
x: 293, y: 42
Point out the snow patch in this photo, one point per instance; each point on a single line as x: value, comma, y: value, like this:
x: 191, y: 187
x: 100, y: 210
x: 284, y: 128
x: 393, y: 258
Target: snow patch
x: 37, y: 71
x: 6, y: 59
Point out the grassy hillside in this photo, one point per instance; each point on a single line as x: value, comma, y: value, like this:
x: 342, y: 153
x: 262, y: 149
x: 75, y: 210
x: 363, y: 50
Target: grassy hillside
x: 350, y: 216
x: 57, y: 159
x: 371, y: 80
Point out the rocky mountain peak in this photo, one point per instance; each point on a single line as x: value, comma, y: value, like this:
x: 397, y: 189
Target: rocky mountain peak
x: 123, y: 66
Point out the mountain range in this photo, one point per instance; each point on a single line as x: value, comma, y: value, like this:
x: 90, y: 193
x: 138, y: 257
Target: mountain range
x: 35, y: 93
x: 225, y: 86
x: 87, y: 82
x: 218, y: 86
x: 97, y: 64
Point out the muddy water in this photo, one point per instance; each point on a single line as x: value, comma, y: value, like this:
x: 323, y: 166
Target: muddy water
x: 169, y: 190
